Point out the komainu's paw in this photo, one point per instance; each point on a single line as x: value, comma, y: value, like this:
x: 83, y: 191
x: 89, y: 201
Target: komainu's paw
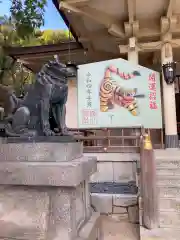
x: 48, y: 132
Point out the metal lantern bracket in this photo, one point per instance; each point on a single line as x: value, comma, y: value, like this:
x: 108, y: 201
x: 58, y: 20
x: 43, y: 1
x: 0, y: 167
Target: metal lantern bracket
x: 169, y: 72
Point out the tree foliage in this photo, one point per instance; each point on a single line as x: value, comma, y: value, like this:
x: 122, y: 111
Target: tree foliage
x: 22, y: 28
x: 27, y: 15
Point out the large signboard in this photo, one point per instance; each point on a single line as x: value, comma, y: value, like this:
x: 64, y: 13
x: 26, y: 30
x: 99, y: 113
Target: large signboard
x: 116, y: 93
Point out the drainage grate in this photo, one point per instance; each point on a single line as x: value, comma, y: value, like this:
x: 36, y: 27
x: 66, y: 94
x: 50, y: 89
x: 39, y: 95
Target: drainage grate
x: 114, y: 188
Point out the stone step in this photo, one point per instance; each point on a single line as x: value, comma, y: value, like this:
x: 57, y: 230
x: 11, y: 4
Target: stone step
x: 169, y: 219
x: 169, y: 172
x: 169, y: 204
x: 168, y: 180
x: 168, y: 192
x: 159, y: 234
x: 167, y: 164
x: 168, y: 154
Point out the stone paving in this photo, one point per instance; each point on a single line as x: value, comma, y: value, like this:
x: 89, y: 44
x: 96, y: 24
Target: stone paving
x: 117, y: 230
x: 113, y: 229
x: 160, y: 234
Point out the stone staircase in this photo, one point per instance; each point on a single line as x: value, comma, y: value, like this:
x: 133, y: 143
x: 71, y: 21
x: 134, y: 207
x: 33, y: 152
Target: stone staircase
x: 168, y: 182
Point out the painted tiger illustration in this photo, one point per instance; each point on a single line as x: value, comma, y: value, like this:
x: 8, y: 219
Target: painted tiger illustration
x: 110, y: 93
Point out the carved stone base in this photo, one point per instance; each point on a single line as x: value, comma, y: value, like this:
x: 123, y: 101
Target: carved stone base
x: 171, y: 141
x: 44, y: 192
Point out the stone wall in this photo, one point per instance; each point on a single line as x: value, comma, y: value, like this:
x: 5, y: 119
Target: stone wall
x: 45, y: 195
x: 114, y: 169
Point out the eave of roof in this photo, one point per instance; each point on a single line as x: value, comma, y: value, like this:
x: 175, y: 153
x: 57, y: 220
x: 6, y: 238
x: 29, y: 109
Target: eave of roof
x: 56, y: 4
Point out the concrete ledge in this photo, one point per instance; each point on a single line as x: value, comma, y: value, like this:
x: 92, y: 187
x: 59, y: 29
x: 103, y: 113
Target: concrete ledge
x: 68, y: 174
x: 115, y: 157
x: 40, y: 151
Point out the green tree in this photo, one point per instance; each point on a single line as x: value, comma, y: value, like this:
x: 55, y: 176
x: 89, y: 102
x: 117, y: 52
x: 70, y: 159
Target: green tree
x: 27, y: 15
x: 51, y: 37
x: 11, y: 72
x: 8, y: 37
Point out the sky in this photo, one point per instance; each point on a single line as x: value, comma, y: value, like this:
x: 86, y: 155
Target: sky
x: 53, y: 19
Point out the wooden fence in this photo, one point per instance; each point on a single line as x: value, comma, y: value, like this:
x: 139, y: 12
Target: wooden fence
x: 114, y: 139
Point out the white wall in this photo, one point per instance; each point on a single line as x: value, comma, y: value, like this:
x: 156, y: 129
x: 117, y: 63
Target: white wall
x: 71, y: 106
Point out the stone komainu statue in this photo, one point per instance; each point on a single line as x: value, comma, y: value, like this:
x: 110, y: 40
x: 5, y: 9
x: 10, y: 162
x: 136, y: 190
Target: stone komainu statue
x: 45, y: 99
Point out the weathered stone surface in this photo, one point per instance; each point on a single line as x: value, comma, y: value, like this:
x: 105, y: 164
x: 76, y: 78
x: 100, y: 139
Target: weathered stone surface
x: 54, y: 204
x: 62, y: 218
x: 172, y: 204
x: 91, y: 229
x: 119, y: 209
x: 23, y: 213
x: 167, y: 154
x: 123, y: 217
x: 102, y: 202
x: 124, y: 200
x: 104, y: 173
x: 114, y: 157
x: 87, y: 198
x: 80, y: 205
x: 168, y: 180
x: 70, y: 173
x: 124, y: 171
x: 133, y: 214
x: 159, y: 234
x: 169, y: 219
x: 119, y: 230
x: 40, y: 151
x: 166, y: 164
x: 169, y: 192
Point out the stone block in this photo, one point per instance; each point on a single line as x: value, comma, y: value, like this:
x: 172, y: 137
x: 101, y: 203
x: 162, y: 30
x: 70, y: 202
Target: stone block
x: 172, y: 204
x: 168, y: 180
x: 133, y: 214
x: 80, y: 207
x: 114, y: 157
x: 40, y: 151
x: 62, y: 215
x: 169, y: 219
x: 119, y: 210
x: 70, y: 173
x: 104, y: 173
x: 168, y: 192
x: 23, y: 213
x: 125, y: 200
x: 124, y: 171
x: 122, y: 217
x: 87, y: 199
x: 91, y: 230
x: 102, y: 202
x: 140, y: 203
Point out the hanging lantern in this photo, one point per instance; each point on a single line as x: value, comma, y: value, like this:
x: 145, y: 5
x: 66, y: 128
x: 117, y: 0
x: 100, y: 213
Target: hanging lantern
x: 169, y: 72
x: 72, y: 69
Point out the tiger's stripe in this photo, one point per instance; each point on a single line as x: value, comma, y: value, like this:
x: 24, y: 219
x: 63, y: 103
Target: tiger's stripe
x: 106, y: 91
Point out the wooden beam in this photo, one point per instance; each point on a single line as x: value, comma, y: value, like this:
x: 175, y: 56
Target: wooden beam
x: 48, y: 55
x: 45, y: 49
x: 170, y: 8
x: 76, y: 1
x: 149, y: 46
x: 131, y: 10
x: 116, y: 31
x: 97, y: 16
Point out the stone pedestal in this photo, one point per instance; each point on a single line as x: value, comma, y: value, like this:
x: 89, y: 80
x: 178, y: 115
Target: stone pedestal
x: 44, y: 192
